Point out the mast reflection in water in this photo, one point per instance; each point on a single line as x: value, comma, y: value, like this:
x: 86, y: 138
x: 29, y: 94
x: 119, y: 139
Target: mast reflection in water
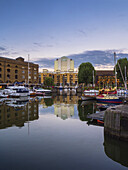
x: 17, y: 114
x: 59, y: 137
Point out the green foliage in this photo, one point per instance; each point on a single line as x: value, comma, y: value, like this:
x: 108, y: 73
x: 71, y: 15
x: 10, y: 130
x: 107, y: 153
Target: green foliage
x: 48, y: 101
x: 123, y: 62
x: 84, y: 110
x: 85, y: 74
x: 49, y: 81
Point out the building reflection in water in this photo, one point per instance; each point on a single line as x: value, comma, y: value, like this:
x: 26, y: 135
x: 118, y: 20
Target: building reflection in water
x: 64, y: 111
x: 116, y: 150
x: 17, y: 115
x: 64, y: 106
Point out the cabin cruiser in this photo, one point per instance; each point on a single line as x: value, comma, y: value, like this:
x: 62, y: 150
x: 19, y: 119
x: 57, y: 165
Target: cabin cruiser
x: 16, y: 91
x: 43, y: 91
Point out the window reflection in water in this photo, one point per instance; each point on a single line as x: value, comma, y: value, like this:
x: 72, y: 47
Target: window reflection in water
x: 17, y: 114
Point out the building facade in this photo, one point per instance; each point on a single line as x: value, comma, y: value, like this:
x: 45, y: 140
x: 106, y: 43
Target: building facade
x: 63, y: 72
x: 60, y: 78
x: 105, y: 78
x: 64, y: 64
x: 16, y: 70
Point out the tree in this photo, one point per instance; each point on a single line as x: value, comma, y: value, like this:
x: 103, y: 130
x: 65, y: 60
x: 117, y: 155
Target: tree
x: 49, y: 81
x: 122, y: 62
x: 85, y: 73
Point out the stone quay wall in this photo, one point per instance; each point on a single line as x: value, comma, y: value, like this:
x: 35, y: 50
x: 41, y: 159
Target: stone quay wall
x: 116, y: 122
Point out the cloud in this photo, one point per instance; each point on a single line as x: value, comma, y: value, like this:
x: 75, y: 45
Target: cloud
x: 2, y: 49
x: 45, y: 63
x: 101, y: 59
x: 82, y: 32
x: 39, y: 44
x: 97, y: 57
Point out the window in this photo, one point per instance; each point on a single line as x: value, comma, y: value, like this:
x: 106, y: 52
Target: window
x: 16, y: 66
x: 0, y: 64
x: 29, y: 72
x: 16, y: 71
x: 0, y: 76
x: 0, y: 69
x: 23, y: 77
x: 16, y: 76
x: 34, y: 68
x: 23, y: 71
x: 23, y: 67
x: 8, y: 76
x: 8, y: 65
x: 35, y: 77
x: 8, y: 70
x: 35, y: 72
x: 29, y: 77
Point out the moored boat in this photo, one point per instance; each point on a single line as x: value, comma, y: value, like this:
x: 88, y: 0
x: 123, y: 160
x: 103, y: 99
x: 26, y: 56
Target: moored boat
x: 108, y: 99
x: 91, y: 92
x: 108, y: 91
x: 88, y: 97
x: 32, y: 93
x: 43, y: 91
x: 16, y: 91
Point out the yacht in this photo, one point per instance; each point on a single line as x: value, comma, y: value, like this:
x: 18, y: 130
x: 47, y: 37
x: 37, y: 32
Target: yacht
x: 43, y: 91
x: 16, y: 91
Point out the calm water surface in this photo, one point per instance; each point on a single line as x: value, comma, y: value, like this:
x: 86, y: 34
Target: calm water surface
x: 55, y: 133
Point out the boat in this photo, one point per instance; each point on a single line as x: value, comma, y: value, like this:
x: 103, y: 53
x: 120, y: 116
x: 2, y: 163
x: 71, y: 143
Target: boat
x: 16, y: 91
x: 3, y: 95
x: 122, y: 92
x: 108, y: 91
x: 32, y: 93
x: 43, y: 91
x: 88, y: 97
x: 60, y: 87
x: 108, y: 99
x: 91, y: 92
x: 102, y: 106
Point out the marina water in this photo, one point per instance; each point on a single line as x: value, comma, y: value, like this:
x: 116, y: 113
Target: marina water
x: 55, y: 133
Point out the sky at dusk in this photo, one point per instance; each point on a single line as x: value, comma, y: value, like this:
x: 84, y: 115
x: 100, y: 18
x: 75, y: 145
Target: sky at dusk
x: 84, y: 30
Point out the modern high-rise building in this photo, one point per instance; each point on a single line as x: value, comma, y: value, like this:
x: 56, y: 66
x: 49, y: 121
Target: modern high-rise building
x: 64, y: 64
x: 63, y: 74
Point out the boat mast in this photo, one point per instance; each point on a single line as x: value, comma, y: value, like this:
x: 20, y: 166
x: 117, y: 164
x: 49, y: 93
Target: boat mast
x: 121, y: 73
x: 28, y: 70
x: 115, y: 70
x: 93, y: 79
x: 125, y: 78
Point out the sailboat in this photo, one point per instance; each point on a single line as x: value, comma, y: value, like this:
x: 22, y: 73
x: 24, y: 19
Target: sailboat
x: 105, y: 98
x: 91, y: 93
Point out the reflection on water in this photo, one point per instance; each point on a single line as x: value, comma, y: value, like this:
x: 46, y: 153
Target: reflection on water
x: 54, y: 143
x: 116, y: 150
x: 64, y: 111
x: 64, y: 106
x: 17, y: 113
x: 85, y: 107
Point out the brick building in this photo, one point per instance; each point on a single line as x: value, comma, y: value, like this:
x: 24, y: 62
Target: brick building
x: 16, y: 70
x: 105, y: 77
